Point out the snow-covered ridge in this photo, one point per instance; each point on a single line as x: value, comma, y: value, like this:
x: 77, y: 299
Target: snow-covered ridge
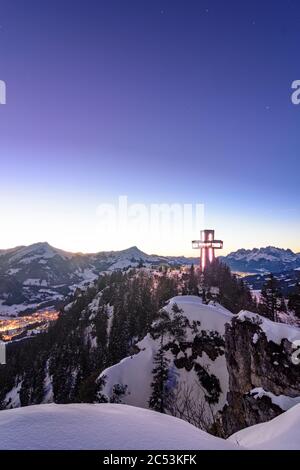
x: 99, y: 427
x: 269, y: 253
x: 36, y: 251
x: 260, y: 260
x: 121, y: 427
x: 46, y: 251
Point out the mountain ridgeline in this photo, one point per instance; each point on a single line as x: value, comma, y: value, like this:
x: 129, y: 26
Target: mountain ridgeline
x: 38, y: 276
x: 262, y: 260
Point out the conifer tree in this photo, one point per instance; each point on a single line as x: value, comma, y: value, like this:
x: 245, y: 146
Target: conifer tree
x: 294, y: 300
x: 159, y: 385
x: 270, y: 299
x: 193, y: 288
x: 173, y: 326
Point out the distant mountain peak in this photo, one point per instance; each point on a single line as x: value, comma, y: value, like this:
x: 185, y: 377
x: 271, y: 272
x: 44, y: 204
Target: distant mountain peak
x: 268, y: 258
x: 37, y: 250
x: 135, y: 251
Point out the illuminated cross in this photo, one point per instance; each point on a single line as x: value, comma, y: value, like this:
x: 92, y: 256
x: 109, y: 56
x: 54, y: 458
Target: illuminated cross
x: 207, y: 246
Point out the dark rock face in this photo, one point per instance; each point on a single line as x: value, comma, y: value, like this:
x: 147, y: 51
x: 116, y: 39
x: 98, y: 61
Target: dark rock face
x: 210, y: 343
x: 244, y: 410
x: 253, y: 362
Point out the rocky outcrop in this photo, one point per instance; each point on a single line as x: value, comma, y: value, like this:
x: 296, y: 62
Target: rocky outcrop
x: 256, y: 360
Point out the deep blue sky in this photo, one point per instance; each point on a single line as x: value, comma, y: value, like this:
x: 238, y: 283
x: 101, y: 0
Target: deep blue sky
x: 165, y: 101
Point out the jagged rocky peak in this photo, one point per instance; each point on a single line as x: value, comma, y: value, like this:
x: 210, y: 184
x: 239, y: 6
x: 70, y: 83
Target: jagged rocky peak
x: 269, y: 252
x: 270, y: 259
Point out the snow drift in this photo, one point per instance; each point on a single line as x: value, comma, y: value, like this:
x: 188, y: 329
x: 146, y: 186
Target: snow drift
x: 99, y: 427
x: 122, y: 427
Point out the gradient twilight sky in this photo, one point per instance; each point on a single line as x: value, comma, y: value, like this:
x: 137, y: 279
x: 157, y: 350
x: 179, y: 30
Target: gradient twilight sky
x: 165, y: 101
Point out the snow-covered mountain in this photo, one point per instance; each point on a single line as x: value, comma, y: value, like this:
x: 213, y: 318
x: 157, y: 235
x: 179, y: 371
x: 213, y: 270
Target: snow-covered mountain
x: 40, y: 275
x: 36, y: 275
x: 239, y: 368
x: 259, y: 260
x: 100, y: 427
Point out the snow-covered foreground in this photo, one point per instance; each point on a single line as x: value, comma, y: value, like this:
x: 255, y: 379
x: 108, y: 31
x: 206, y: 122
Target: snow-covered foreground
x: 123, y: 427
x: 100, y: 427
x: 281, y: 433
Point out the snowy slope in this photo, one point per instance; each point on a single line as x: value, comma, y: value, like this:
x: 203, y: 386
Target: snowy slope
x: 136, y: 371
x: 280, y: 433
x: 97, y: 427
